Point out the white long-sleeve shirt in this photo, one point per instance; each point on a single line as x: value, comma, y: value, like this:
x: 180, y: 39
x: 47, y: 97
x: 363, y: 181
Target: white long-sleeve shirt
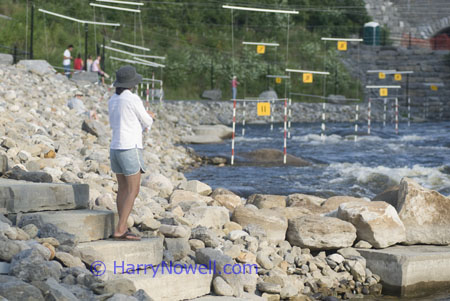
x: 127, y: 118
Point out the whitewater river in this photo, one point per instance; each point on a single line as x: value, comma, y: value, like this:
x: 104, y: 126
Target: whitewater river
x: 341, y: 165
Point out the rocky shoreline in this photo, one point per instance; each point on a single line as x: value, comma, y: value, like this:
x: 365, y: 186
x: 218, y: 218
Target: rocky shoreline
x: 305, y: 247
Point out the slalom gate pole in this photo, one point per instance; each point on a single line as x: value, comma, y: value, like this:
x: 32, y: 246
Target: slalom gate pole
x: 234, y: 130
x: 271, y: 115
x: 384, y: 112
x: 289, y: 118
x: 368, y: 116
x: 142, y: 89
x: 396, y: 116
x: 322, y: 134
x: 153, y: 87
x: 356, y: 122
x: 409, y: 112
x: 147, y: 95
x: 243, y: 121
x: 161, y: 93
x: 285, y: 131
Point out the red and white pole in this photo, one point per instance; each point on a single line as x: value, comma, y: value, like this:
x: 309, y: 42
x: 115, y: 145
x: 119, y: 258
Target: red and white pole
x: 409, y: 112
x: 356, y: 122
x: 153, y: 87
x: 142, y: 89
x: 161, y: 92
x: 234, y: 130
x: 396, y: 116
x: 384, y: 112
x: 147, y: 95
x: 285, y: 131
x: 289, y: 118
x: 243, y: 121
x: 322, y: 133
x: 271, y: 115
x: 369, y: 115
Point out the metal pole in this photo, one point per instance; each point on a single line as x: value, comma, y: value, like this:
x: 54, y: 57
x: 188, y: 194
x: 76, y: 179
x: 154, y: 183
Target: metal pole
x: 356, y: 122
x: 243, y: 120
x: 285, y: 131
x: 396, y: 116
x: 271, y: 115
x: 289, y: 119
x: 384, y: 112
x: 322, y: 134
x: 368, y: 116
x: 32, y: 31
x: 103, y: 55
x: 141, y: 89
x: 85, y: 46
x: 409, y: 112
x: 234, y: 130
x: 147, y: 95
x: 153, y: 87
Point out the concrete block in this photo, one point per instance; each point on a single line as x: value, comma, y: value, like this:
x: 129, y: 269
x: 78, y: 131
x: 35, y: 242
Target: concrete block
x: 120, y: 256
x: 173, y: 287
x: 410, y: 271
x: 20, y: 196
x: 86, y: 225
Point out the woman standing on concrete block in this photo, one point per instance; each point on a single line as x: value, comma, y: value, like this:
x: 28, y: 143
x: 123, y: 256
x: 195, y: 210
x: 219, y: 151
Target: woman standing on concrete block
x: 128, y: 119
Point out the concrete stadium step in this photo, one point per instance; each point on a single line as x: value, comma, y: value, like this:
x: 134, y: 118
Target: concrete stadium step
x: 21, y: 196
x: 410, y: 271
x: 170, y: 286
x: 86, y: 225
x: 120, y: 256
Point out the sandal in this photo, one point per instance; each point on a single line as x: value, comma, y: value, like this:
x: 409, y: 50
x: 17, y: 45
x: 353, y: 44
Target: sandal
x: 126, y: 236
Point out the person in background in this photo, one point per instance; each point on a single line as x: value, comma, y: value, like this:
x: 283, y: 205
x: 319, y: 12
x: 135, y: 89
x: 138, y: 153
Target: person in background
x: 67, y: 60
x: 78, y: 63
x: 96, y: 68
x: 234, y: 84
x: 89, y: 64
x: 128, y: 120
x: 77, y: 104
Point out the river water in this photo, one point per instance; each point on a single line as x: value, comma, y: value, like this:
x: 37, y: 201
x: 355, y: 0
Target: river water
x: 341, y: 166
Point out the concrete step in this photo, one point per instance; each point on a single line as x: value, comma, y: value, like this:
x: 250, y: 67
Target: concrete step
x: 410, y: 271
x: 86, y: 225
x: 172, y: 286
x: 120, y: 256
x: 21, y: 196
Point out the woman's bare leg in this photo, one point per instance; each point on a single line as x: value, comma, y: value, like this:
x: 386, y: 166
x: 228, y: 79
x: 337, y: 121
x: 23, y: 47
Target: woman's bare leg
x: 125, y: 199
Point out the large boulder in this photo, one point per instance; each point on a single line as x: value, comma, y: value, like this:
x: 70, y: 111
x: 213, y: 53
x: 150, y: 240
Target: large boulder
x: 267, y: 201
x: 40, y: 67
x: 208, y: 216
x: 425, y: 214
x: 215, y: 94
x: 320, y: 233
x: 12, y: 288
x: 159, y: 183
x: 269, y: 157
x: 334, y: 202
x: 268, y: 95
x: 6, y: 59
x: 376, y: 222
x: 220, y: 130
x: 389, y: 196
x: 274, y: 223
x: 198, y: 187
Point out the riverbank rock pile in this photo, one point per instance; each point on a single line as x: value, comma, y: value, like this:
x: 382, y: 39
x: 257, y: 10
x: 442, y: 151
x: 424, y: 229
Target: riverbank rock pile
x: 296, y: 247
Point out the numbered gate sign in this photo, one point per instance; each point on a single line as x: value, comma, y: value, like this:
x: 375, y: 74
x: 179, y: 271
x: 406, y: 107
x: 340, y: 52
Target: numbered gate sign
x: 398, y: 77
x: 278, y: 80
x: 383, y: 92
x: 261, y: 49
x: 263, y: 108
x: 381, y: 75
x: 307, y: 78
x: 342, y: 45
x: 434, y: 87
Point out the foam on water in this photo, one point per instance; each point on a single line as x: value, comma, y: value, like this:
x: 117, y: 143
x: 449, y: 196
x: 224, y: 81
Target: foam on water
x: 412, y: 138
x: 314, y: 138
x: 428, y: 177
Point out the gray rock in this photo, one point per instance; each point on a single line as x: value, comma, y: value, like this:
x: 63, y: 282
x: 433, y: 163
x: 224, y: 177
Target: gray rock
x: 141, y: 295
x: 17, y: 173
x: 8, y: 249
x: 94, y: 128
x: 52, y: 290
x: 50, y: 230
x: 119, y: 286
x: 15, y: 289
x: 122, y: 297
x: 270, y: 288
x: 3, y: 164
x: 29, y: 265
x: 174, y: 231
x: 39, y: 67
x: 221, y: 287
x: 6, y: 59
x: 212, y: 94
x: 178, y: 247
x: 31, y: 230
x: 206, y: 235
x: 268, y: 95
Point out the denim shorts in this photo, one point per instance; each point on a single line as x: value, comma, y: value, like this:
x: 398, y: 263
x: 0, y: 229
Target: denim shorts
x: 127, y: 162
